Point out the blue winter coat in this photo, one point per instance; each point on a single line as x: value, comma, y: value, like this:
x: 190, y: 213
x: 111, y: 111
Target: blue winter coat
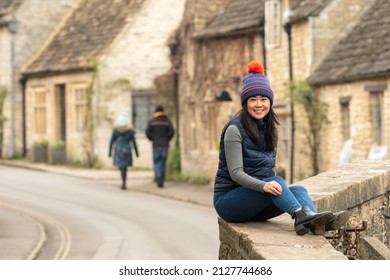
x: 120, y: 140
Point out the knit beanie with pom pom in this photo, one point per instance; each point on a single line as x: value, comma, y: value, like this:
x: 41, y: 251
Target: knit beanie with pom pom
x: 256, y: 83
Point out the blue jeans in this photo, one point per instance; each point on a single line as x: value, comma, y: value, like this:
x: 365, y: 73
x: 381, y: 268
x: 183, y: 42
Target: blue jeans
x: 243, y: 204
x: 160, y: 155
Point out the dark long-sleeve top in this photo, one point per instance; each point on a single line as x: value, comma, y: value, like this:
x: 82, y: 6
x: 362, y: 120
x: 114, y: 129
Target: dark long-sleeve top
x: 160, y: 130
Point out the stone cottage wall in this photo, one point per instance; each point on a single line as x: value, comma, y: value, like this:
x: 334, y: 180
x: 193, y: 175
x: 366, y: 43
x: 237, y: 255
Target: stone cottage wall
x: 37, y: 19
x: 140, y: 54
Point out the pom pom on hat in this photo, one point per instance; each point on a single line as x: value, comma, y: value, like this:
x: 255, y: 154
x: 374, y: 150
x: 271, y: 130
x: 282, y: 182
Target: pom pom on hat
x: 256, y: 67
x: 256, y: 83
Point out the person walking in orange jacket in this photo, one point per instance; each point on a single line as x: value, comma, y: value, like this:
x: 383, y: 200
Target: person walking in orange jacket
x: 160, y: 131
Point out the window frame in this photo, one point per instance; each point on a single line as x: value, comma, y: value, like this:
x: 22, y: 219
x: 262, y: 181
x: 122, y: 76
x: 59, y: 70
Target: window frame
x: 40, y: 110
x: 273, y: 23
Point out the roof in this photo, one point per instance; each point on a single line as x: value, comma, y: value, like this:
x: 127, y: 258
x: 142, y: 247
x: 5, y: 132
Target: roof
x: 7, y: 5
x: 238, y: 17
x: 306, y: 8
x: 364, y: 53
x: 88, y: 31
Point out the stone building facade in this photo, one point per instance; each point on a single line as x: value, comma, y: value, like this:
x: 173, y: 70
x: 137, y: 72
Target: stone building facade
x: 354, y: 80
x: 293, y: 39
x: 218, y: 41
x: 316, y: 28
x: 130, y: 51
x: 24, y: 26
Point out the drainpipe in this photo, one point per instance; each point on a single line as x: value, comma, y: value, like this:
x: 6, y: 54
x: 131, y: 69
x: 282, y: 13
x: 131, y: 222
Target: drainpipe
x: 264, y: 50
x: 287, y: 29
x: 23, y: 82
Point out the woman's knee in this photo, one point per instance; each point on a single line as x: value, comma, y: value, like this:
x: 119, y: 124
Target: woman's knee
x: 298, y: 189
x: 280, y: 180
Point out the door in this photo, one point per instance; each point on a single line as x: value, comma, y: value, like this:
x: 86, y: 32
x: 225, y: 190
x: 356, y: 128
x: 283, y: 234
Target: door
x: 60, y: 112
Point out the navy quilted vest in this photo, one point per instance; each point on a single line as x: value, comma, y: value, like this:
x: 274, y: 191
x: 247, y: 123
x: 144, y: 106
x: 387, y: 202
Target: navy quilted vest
x: 257, y: 161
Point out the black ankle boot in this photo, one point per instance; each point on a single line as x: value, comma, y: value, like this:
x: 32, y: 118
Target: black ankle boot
x: 160, y: 182
x: 306, y: 219
x: 339, y: 219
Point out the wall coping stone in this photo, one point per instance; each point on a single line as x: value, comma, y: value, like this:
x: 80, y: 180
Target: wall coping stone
x: 344, y: 187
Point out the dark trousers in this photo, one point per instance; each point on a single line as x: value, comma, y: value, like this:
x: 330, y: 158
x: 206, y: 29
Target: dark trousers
x: 160, y: 155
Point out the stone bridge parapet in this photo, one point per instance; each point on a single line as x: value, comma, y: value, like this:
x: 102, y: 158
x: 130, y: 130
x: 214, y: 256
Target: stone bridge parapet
x: 363, y: 187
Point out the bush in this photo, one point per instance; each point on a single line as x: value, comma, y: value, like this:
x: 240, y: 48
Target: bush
x: 60, y: 145
x: 41, y: 144
x: 174, y: 165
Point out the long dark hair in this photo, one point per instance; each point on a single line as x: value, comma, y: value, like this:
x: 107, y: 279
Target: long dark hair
x: 270, y: 121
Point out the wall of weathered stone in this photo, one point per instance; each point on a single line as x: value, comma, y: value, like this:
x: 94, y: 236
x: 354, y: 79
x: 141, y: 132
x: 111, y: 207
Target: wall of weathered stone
x: 312, y: 39
x: 361, y: 120
x: 140, y: 54
x: 204, y: 73
x: 362, y: 187
x: 209, y: 67
x: 37, y: 19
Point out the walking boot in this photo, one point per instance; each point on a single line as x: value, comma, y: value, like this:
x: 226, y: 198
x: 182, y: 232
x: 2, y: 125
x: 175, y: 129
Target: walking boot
x: 339, y: 219
x: 305, y: 219
x: 123, y: 186
x: 160, y: 182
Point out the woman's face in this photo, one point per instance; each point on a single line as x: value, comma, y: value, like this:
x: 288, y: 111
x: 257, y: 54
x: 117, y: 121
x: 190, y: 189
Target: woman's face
x: 258, y: 107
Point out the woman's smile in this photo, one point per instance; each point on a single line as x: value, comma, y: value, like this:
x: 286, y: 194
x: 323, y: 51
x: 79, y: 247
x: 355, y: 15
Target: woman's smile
x: 258, y: 107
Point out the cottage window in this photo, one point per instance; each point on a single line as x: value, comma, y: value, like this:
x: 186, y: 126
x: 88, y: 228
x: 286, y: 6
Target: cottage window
x: 345, y: 117
x: 377, y: 116
x: 143, y: 108
x: 346, y: 151
x: 272, y: 23
x: 81, y: 107
x: 40, y: 111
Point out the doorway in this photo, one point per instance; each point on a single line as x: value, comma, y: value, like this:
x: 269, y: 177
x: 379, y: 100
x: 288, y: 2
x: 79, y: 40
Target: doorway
x: 60, y: 94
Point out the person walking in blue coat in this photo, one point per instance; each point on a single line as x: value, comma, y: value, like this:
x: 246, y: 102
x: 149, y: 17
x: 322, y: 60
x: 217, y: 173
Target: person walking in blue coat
x: 246, y: 187
x: 121, y: 140
x: 160, y: 131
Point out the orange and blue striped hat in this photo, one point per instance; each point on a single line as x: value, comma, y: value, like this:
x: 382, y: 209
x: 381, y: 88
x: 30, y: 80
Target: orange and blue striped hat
x: 256, y: 83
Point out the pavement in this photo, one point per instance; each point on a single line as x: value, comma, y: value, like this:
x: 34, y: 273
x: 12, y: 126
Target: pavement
x: 21, y: 237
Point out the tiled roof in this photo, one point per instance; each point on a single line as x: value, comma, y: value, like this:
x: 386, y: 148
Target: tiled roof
x: 305, y: 8
x: 88, y: 31
x: 238, y: 17
x: 5, y: 5
x: 364, y: 53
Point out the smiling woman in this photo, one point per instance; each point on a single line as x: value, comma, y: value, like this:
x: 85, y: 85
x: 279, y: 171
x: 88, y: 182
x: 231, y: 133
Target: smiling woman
x: 258, y: 107
x: 246, y: 186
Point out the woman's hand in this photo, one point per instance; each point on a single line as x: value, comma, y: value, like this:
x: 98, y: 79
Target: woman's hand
x: 273, y: 187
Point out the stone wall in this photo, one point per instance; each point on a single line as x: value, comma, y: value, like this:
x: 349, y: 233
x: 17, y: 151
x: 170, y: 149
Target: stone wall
x: 138, y: 55
x: 363, y: 187
x: 312, y: 39
x: 37, y: 19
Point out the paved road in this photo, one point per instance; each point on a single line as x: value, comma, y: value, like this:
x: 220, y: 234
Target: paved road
x: 76, y: 218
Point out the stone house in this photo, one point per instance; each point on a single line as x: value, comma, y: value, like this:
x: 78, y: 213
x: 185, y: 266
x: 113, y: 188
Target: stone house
x: 24, y: 26
x: 354, y: 79
x: 102, y: 60
x: 315, y: 29
x: 218, y: 39
x: 292, y: 38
